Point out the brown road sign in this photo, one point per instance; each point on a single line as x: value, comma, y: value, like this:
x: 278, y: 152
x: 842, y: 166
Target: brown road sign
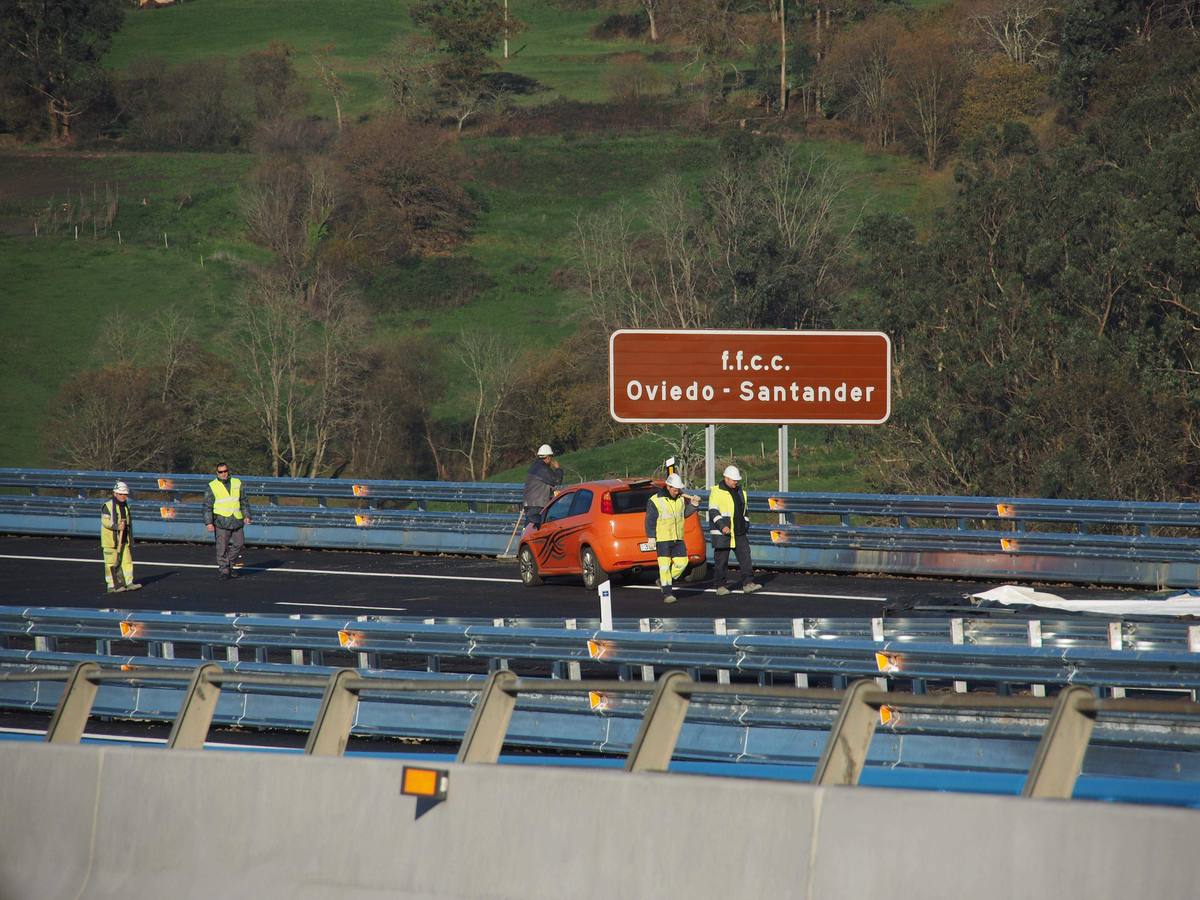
x: 774, y: 377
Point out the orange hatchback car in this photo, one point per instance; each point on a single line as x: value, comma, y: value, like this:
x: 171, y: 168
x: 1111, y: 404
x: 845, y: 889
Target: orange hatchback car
x: 597, y: 529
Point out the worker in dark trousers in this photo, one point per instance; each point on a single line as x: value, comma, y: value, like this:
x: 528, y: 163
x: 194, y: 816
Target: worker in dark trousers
x: 116, y: 540
x: 541, y: 483
x: 729, y: 520
x: 226, y: 513
x: 666, y: 512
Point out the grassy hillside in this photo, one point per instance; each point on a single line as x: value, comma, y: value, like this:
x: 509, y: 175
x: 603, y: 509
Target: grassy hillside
x: 60, y: 291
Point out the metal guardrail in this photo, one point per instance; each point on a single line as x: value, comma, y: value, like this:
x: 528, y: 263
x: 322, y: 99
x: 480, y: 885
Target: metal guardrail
x: 916, y: 651
x: 1069, y: 720
x: 988, y: 537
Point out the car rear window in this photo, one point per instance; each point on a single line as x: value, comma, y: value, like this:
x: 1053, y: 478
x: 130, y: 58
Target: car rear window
x: 631, y: 501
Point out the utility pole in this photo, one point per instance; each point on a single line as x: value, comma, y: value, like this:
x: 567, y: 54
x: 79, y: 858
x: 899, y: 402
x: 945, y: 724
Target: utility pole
x: 506, y: 29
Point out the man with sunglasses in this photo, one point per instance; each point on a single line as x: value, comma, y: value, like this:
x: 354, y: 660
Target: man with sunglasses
x: 226, y: 512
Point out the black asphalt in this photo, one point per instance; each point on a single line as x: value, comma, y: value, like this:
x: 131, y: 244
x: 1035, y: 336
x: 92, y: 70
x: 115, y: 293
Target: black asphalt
x: 40, y: 571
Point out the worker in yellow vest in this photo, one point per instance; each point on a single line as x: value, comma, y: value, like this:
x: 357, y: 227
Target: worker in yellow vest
x: 116, y: 540
x: 226, y: 513
x: 728, y: 523
x: 666, y: 512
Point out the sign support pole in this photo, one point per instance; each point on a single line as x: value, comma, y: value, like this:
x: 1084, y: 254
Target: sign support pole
x: 710, y: 456
x: 783, y: 467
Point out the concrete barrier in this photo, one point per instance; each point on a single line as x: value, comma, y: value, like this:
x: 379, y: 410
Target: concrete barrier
x: 87, y: 822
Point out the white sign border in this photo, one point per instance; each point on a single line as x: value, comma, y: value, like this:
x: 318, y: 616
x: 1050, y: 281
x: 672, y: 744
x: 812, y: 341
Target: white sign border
x: 612, y: 393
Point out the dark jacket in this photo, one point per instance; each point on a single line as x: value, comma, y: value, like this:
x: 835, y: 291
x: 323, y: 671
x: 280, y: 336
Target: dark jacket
x: 229, y: 523
x: 741, y: 522
x: 540, y: 482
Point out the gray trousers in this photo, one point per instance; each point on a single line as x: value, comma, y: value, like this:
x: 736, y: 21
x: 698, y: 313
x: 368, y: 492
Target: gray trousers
x: 230, y: 542
x: 721, y: 563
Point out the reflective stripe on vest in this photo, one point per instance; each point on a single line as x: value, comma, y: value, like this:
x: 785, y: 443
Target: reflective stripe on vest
x: 227, y: 502
x: 669, y: 526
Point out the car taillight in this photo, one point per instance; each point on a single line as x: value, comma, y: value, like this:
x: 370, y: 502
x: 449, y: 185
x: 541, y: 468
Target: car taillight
x: 606, y: 503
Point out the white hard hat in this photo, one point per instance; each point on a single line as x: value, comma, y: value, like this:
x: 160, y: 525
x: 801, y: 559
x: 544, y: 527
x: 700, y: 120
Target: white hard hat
x: 120, y: 488
x: 673, y: 480
x: 545, y: 450
x: 733, y: 473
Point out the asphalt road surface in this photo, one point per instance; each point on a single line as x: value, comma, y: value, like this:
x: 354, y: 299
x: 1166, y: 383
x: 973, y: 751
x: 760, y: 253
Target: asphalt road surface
x: 38, y: 571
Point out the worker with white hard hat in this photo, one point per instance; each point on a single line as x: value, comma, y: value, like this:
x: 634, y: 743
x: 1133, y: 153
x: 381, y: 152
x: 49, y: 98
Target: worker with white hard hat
x: 541, y: 483
x: 728, y: 521
x: 116, y: 540
x: 666, y: 515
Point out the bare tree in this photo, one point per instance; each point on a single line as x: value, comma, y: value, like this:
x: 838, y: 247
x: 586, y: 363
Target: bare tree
x: 931, y: 87
x: 329, y: 78
x: 1020, y: 29
x: 491, y: 365
x: 298, y: 347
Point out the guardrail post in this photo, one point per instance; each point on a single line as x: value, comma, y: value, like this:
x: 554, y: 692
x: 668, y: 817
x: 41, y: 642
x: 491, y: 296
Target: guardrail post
x: 655, y: 742
x: 167, y: 648
x: 1035, y: 640
x: 484, y: 737
x: 845, y: 751
x: 297, y: 654
x: 1193, y: 643
x: 1062, y: 747
x: 574, y: 672
x: 494, y: 665
x: 1115, y: 642
x: 958, y: 637
x: 798, y: 632
x: 647, y: 671
x: 331, y: 730
x: 877, y: 635
x: 196, y: 710
x: 71, y: 715
x: 721, y: 628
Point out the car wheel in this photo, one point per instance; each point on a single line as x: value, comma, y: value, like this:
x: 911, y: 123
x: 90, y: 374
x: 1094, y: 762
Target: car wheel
x: 529, y: 568
x: 593, y: 574
x: 698, y: 572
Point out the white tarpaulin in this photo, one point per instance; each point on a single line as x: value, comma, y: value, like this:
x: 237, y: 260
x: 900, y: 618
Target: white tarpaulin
x: 1185, y: 604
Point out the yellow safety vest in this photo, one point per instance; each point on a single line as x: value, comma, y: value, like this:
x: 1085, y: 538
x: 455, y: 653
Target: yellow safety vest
x: 721, y: 499
x: 110, y: 524
x: 227, y: 502
x: 669, y: 526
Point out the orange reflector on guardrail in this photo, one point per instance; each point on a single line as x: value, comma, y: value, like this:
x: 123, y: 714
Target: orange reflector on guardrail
x: 167, y: 512
x: 597, y: 701
x: 597, y: 649
x: 778, y: 537
x: 431, y: 784
x: 131, y: 629
x: 1009, y: 545
x: 362, y: 521
x: 888, y: 662
x: 886, y: 715
x: 775, y: 502
x: 166, y: 484
x: 350, y: 639
x: 1006, y: 510
x: 362, y: 490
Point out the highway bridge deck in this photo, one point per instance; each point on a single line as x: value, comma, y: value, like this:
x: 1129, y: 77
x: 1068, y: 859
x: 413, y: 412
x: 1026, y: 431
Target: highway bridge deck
x: 40, y: 571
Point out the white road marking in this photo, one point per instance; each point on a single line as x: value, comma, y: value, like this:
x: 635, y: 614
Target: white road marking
x: 288, y: 570
x: 349, y: 606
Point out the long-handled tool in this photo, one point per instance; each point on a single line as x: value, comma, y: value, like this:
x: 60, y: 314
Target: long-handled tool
x: 516, y: 525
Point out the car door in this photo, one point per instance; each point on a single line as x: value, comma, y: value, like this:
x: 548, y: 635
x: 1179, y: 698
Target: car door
x: 547, y: 541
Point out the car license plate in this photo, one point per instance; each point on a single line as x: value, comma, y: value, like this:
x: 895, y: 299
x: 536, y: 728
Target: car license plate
x: 646, y: 546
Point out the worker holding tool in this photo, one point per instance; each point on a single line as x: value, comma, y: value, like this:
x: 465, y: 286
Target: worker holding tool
x: 728, y: 521
x: 666, y: 512
x: 543, y: 477
x: 225, y: 514
x: 116, y: 540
